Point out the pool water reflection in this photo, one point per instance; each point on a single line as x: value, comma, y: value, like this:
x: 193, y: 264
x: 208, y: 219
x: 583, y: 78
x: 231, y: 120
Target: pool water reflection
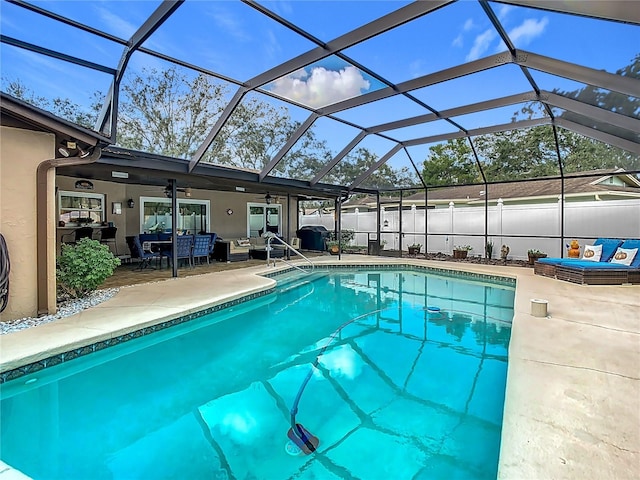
x: 401, y: 392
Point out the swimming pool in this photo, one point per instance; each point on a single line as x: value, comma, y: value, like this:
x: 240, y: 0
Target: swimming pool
x: 404, y: 391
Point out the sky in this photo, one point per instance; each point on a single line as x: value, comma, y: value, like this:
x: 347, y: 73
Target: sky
x: 238, y: 42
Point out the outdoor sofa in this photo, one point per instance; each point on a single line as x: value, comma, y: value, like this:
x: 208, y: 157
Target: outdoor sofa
x: 547, y: 266
x: 603, y: 272
x: 231, y: 250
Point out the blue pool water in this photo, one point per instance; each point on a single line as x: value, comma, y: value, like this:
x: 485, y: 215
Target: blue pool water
x: 411, y: 389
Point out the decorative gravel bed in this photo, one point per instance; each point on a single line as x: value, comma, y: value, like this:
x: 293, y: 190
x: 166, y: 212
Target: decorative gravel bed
x: 65, y: 309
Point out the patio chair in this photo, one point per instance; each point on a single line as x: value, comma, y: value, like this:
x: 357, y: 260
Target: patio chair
x: 108, y: 237
x: 144, y: 256
x: 201, y: 247
x: 78, y: 234
x: 184, y: 249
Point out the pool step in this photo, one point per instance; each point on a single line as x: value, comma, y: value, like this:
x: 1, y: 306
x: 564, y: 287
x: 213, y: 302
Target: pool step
x: 290, y: 280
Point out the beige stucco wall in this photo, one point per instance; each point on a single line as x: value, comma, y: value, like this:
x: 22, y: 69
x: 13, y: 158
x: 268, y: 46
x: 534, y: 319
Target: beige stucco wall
x: 20, y: 153
x: 128, y: 222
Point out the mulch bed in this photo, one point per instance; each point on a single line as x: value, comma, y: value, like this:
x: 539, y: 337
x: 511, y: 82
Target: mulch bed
x: 443, y: 257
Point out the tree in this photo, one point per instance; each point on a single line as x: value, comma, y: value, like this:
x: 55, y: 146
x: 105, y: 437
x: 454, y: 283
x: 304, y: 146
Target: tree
x: 450, y: 163
x: 62, y: 107
x: 252, y: 135
x: 168, y: 113
x: 531, y: 153
x: 359, y: 161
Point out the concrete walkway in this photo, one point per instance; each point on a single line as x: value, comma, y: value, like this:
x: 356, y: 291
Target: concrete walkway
x: 572, y: 406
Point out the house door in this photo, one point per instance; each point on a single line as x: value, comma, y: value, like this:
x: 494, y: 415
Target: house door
x: 262, y: 217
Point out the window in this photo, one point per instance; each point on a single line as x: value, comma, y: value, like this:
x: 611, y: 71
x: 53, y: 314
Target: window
x: 155, y: 215
x: 76, y: 208
x: 261, y: 217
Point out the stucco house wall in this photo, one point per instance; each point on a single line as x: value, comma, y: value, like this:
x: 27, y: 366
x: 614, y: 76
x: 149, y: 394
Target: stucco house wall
x: 20, y: 153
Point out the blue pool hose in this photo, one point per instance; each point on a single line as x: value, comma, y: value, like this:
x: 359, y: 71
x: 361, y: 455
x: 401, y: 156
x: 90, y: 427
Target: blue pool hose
x: 294, y: 409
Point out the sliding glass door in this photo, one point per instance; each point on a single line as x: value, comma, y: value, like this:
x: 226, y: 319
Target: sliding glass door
x: 262, y: 217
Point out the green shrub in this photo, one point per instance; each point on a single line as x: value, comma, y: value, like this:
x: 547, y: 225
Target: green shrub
x: 83, y: 267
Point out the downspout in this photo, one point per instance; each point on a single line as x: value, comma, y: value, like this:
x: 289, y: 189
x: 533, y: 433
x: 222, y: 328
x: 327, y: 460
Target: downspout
x: 43, y: 266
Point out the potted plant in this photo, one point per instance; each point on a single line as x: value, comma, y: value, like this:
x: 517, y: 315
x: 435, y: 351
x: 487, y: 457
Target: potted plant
x: 489, y: 249
x: 414, y: 249
x: 504, y: 253
x: 461, y: 251
x: 535, y: 255
x: 333, y: 246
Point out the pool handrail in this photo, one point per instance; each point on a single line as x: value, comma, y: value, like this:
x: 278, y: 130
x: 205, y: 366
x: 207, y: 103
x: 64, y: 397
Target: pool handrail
x: 270, y: 236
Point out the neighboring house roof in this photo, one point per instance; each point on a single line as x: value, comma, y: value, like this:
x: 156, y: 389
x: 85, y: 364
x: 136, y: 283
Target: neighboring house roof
x: 591, y: 184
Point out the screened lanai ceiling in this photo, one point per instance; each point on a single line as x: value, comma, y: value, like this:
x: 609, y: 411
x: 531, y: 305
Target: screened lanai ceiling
x: 354, y: 94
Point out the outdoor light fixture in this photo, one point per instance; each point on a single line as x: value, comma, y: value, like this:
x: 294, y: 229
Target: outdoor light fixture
x: 69, y: 148
x: 131, y: 203
x: 83, y: 153
x: 267, y: 199
x: 186, y: 191
x: 66, y: 147
x: 63, y: 151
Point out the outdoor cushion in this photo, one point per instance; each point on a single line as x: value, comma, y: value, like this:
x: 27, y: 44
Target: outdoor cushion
x: 589, y: 264
x: 609, y: 247
x: 592, y: 253
x: 633, y: 243
x: 624, y: 256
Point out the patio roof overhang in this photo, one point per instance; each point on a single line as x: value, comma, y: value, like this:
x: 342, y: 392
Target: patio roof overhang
x: 151, y: 169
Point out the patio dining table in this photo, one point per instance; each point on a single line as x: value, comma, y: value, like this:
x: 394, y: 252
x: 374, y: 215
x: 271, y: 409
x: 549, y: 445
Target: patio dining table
x: 163, y: 246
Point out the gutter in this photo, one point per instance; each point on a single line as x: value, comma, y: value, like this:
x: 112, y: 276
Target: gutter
x: 43, y: 266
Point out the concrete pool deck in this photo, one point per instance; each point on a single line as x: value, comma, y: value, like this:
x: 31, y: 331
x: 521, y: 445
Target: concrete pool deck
x: 572, y: 408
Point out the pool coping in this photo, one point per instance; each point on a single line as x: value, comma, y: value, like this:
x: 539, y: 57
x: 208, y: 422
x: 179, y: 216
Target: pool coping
x: 572, y: 407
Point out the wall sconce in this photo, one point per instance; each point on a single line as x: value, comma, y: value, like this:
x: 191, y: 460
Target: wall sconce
x: 386, y: 224
x: 131, y: 203
x: 267, y: 199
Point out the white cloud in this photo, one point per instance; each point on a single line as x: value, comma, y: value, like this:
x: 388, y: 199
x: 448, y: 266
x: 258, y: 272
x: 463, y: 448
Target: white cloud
x: 117, y: 25
x: 528, y: 30
x: 504, y: 11
x: 481, y: 45
x: 271, y: 45
x: 228, y: 22
x: 459, y: 40
x: 468, y: 25
x: 416, y: 68
x: 321, y: 87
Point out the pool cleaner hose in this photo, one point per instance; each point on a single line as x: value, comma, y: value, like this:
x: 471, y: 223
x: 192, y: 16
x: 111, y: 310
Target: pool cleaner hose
x: 4, y: 274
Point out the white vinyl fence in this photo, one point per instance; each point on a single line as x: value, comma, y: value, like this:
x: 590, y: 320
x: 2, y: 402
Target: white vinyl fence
x: 521, y: 227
